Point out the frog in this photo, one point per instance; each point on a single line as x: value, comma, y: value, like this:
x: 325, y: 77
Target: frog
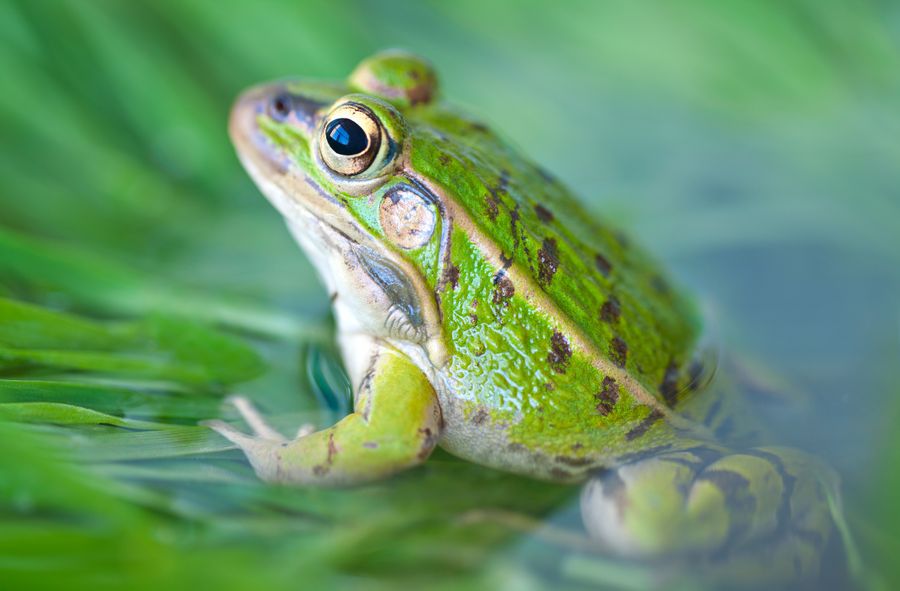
x: 482, y: 308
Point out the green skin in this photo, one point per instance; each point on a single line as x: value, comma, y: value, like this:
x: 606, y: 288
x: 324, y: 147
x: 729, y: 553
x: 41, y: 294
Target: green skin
x: 481, y: 308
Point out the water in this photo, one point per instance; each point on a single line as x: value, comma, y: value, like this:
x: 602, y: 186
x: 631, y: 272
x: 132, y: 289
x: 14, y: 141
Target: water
x: 753, y: 149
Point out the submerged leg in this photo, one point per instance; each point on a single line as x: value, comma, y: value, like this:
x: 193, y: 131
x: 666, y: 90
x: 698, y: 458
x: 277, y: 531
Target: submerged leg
x: 762, y: 508
x: 395, y: 426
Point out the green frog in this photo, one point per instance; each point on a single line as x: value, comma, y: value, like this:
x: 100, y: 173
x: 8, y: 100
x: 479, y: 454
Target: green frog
x: 482, y: 308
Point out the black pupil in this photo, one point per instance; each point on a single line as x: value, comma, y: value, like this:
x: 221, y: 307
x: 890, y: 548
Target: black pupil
x: 346, y: 137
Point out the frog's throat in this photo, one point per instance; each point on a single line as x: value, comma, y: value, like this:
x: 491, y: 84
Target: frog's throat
x: 330, y: 237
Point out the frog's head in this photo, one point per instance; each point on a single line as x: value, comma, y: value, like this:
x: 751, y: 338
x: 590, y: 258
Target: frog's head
x: 334, y: 160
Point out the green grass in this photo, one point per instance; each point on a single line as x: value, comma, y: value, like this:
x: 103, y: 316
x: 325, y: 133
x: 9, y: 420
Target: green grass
x: 751, y: 145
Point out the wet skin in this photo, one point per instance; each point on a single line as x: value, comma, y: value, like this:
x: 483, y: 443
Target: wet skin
x: 481, y: 308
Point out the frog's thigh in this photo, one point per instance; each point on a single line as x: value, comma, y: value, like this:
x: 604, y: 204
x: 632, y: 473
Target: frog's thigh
x: 395, y: 425
x: 701, y: 501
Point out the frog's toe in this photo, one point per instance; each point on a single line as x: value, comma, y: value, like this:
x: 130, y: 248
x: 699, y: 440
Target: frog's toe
x: 262, y: 452
x: 233, y: 435
x: 253, y: 418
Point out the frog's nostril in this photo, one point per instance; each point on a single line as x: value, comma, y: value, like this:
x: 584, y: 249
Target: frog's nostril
x: 280, y: 106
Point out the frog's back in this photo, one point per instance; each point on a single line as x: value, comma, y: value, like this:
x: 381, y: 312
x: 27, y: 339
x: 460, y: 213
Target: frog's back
x: 558, y: 323
x: 605, y: 285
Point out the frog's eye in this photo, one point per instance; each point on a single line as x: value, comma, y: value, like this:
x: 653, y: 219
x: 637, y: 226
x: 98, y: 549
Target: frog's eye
x: 350, y: 140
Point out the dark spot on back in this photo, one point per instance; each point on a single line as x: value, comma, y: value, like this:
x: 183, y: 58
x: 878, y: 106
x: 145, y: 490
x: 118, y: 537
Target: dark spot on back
x: 607, y: 396
x: 506, y: 261
x: 544, y: 214
x: 603, y: 265
x: 503, y: 181
x: 560, y: 353
x: 548, y: 261
x: 514, y: 226
x: 610, y: 310
x: 478, y: 126
x: 618, y: 351
x: 444, y: 159
x: 516, y: 447
x: 669, y: 385
x: 644, y: 425
x: 503, y: 288
x: 493, y: 206
x: 493, y: 197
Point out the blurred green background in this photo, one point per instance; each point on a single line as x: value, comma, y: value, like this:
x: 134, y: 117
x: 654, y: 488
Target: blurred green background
x: 752, y: 146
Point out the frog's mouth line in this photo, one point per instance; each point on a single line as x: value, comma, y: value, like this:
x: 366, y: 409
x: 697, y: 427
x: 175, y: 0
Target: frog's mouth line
x: 305, y: 200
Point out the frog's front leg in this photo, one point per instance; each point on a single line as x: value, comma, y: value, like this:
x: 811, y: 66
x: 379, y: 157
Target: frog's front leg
x: 395, y: 425
x: 764, y: 507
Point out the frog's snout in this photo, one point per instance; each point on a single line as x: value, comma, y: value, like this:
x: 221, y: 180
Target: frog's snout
x: 242, y: 121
